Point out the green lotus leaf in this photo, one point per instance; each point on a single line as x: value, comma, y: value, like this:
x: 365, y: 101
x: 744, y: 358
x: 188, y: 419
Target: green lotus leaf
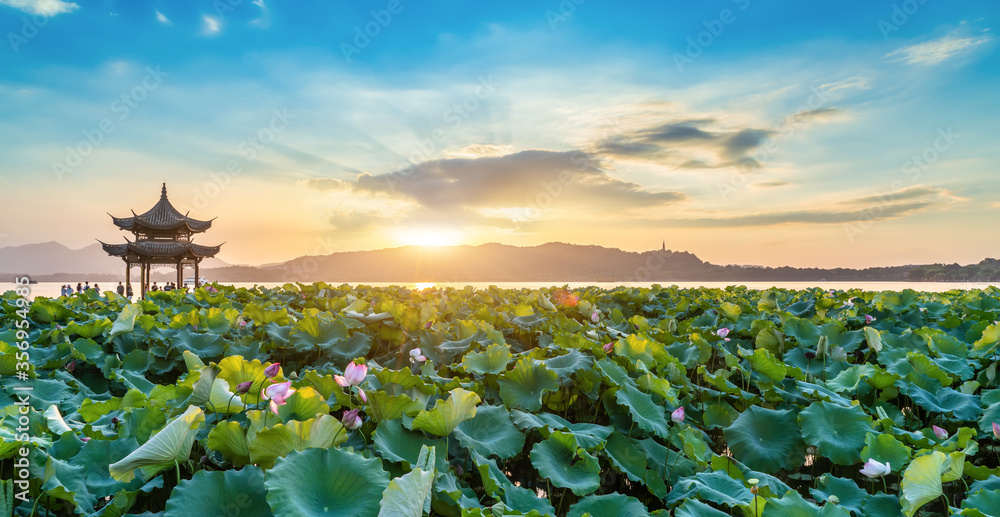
x: 885, y: 448
x: 987, y: 342
x: 569, y: 363
x: 90, y: 329
x: 873, y: 338
x: 718, y: 415
x: 525, y: 385
x: 616, y: 504
x: 445, y: 416
x: 922, y: 481
x: 328, y: 482
x: 172, y: 444
x: 762, y: 361
x: 262, y: 316
x: 626, y: 457
x: 714, y: 487
x: 303, y: 405
x: 267, y: 445
x: 883, y: 505
x: 48, y: 311
x: 229, y: 439
x: 491, y: 432
x: 766, y: 439
x: 410, y: 494
x: 849, y: 379
x: 396, y: 443
x: 125, y: 322
x: 217, y: 321
x: 987, y: 502
x: 227, y: 492
x: 696, y: 508
x: 203, y: 345
x: 559, y: 459
x: 382, y: 406
x: 317, y: 332
x: 805, y: 332
x: 493, y: 360
x: 649, y: 416
x: 951, y: 404
x: 793, y: 505
x: 848, y: 493
x: 837, y: 431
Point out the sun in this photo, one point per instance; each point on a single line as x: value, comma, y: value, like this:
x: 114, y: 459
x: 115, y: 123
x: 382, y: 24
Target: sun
x: 425, y: 236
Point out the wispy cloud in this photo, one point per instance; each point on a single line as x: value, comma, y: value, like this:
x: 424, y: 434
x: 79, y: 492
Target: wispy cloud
x: 772, y: 183
x: 210, y: 26
x: 42, y: 7
x: 264, y: 21
x: 162, y: 19
x: 905, y: 202
x: 938, y: 50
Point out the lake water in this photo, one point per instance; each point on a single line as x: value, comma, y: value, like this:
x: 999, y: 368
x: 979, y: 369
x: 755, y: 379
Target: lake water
x: 51, y: 289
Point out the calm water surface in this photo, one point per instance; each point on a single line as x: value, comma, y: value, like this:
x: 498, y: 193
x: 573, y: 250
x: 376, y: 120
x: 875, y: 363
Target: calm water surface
x: 51, y: 289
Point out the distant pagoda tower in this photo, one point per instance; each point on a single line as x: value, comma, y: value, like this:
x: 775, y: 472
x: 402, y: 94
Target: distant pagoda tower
x: 162, y: 236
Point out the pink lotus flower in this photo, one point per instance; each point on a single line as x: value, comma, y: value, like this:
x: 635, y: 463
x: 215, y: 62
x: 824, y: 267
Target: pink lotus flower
x: 848, y: 303
x: 678, y: 415
x: 277, y: 393
x: 875, y: 469
x: 723, y: 332
x: 84, y: 439
x: 940, y: 433
x: 354, y: 374
x: 272, y: 370
x: 416, y: 356
x: 608, y: 348
x: 70, y: 366
x: 211, y: 290
x: 869, y: 319
x: 244, y: 387
x: 996, y: 430
x: 351, y: 419
x: 595, y: 317
x: 243, y: 324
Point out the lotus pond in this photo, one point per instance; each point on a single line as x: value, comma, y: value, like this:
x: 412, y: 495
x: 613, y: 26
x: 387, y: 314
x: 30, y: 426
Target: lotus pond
x: 310, y: 400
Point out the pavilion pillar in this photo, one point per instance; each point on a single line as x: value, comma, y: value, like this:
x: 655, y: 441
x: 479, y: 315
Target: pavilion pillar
x: 144, y: 278
x: 128, y: 275
x: 197, y: 279
x: 180, y: 273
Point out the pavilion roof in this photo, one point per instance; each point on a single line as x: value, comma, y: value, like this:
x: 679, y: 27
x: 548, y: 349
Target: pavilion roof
x: 162, y: 249
x: 163, y: 216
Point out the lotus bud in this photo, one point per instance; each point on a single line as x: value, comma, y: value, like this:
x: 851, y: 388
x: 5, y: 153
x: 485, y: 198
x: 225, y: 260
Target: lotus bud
x: 244, y: 387
x: 678, y: 415
x: 940, y: 433
x: 272, y: 370
x: 204, y: 460
x: 362, y: 396
x: 608, y: 347
x: 595, y: 317
x: 351, y: 420
x: 822, y: 347
x: 869, y: 319
x: 428, y: 324
x: 84, y: 439
x: 996, y: 430
x: 70, y: 366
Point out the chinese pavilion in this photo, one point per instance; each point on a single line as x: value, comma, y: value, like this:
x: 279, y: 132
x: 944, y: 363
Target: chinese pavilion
x: 162, y: 236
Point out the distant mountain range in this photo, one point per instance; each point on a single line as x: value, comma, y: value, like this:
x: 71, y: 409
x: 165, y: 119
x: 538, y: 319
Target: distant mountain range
x: 551, y: 262
x: 54, y: 262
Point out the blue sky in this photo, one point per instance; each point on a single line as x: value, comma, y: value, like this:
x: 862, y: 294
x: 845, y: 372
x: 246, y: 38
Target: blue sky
x: 855, y: 133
